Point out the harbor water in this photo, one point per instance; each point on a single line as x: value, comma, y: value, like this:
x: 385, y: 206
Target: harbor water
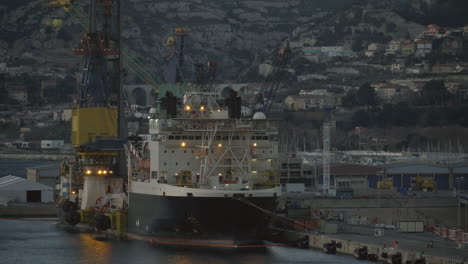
x: 42, y: 242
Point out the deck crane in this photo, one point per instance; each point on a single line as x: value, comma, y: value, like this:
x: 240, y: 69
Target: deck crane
x: 268, y: 90
x: 128, y: 61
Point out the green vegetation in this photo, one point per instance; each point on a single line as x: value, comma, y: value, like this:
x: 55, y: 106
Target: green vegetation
x: 61, y: 93
x: 434, y: 106
x: 449, y: 13
x: 60, y: 130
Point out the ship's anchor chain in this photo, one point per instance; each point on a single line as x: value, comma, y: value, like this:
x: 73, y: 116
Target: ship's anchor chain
x: 273, y: 215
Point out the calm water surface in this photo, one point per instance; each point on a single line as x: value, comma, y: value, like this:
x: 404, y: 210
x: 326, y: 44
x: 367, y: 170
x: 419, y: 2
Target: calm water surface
x: 42, y: 242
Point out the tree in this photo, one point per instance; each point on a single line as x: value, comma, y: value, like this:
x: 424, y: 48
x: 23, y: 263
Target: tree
x: 357, y: 45
x: 366, y: 95
x: 434, y: 93
x: 390, y: 27
x: 349, y: 100
x: 362, y: 118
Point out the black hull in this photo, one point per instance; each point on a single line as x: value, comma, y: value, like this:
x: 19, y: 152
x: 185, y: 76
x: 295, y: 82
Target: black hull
x: 199, y: 218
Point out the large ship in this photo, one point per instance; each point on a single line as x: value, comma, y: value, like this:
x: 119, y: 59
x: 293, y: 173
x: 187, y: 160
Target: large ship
x: 202, y: 171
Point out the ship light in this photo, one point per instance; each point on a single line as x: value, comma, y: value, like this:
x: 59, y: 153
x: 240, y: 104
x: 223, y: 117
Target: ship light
x: 183, y: 144
x: 111, y: 172
x: 254, y: 144
x: 73, y: 192
x: 220, y: 145
x: 187, y: 108
x: 220, y: 174
x: 254, y: 172
x: 88, y: 172
x: 104, y: 172
x: 202, y: 108
x: 99, y: 172
x: 219, y: 110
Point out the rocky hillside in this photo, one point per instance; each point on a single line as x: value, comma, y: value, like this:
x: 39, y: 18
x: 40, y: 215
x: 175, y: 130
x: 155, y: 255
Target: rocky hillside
x: 236, y: 34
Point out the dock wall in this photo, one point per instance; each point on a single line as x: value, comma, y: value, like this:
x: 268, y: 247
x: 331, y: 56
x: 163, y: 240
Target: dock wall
x: 35, y: 210
x: 432, y: 211
x: 348, y: 247
x: 39, y: 156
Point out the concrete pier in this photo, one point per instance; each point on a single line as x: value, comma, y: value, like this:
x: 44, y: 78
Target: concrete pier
x: 28, y: 210
x: 38, y: 156
x: 410, y: 246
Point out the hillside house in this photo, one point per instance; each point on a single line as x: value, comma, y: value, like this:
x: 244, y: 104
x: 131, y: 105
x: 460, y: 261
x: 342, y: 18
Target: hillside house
x: 394, y: 47
x: 398, y: 66
x: 452, y: 46
x: 444, y: 68
x: 423, y: 47
x: 311, y: 101
x: 392, y: 93
x: 373, y: 49
x: 408, y: 48
x: 432, y: 30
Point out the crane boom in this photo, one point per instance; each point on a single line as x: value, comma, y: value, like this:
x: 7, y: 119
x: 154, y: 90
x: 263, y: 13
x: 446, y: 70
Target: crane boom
x: 264, y: 98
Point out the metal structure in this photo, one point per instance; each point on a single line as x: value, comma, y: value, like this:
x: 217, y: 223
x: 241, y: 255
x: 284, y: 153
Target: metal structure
x: 265, y: 96
x: 93, y: 176
x: 326, y: 157
x: 175, y: 57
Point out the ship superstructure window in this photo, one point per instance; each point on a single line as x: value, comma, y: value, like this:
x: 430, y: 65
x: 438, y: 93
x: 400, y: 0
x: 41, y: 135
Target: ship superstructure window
x: 171, y: 137
x: 154, y: 175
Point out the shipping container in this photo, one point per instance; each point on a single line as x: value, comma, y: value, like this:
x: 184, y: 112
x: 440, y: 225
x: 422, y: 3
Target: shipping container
x: 410, y: 227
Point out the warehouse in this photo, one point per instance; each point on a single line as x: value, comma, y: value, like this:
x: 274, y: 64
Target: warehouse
x: 405, y: 176
x: 20, y: 190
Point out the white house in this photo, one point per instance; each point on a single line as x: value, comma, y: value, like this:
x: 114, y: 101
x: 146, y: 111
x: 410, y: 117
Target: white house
x: 52, y: 144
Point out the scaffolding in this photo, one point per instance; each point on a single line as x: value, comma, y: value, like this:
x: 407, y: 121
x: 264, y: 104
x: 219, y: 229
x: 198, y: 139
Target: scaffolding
x: 326, y: 157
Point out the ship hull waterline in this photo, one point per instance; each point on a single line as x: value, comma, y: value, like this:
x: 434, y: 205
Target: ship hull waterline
x: 199, y: 220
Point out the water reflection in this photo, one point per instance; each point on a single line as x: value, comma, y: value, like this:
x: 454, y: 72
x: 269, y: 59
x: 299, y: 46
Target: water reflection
x: 93, y: 250
x: 42, y: 242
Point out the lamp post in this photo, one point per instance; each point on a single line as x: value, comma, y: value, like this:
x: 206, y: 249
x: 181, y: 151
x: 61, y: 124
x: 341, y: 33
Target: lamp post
x: 458, y: 181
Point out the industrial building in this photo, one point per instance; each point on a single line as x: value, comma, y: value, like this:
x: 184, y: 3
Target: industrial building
x: 20, y: 190
x: 400, y: 176
x: 44, y: 174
